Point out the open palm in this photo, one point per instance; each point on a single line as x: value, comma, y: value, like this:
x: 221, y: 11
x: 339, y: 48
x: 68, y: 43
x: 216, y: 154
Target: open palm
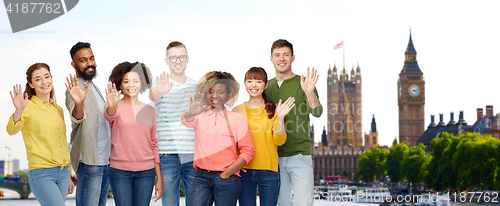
x: 197, y: 105
x: 19, y: 100
x: 75, y: 91
x: 163, y: 84
x: 112, y: 97
x: 283, y: 109
x: 309, y: 83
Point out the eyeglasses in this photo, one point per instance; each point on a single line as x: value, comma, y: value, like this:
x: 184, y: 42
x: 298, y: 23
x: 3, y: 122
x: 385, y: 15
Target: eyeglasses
x: 173, y: 59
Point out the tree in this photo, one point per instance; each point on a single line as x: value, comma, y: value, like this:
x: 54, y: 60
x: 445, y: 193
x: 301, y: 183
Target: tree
x: 439, y: 171
x: 447, y: 169
x: 372, y: 164
x: 475, y: 160
x: 393, y: 163
x: 412, y: 163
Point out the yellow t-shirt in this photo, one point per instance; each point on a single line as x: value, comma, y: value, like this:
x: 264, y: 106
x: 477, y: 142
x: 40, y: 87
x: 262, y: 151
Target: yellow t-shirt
x: 265, y: 138
x: 44, y: 134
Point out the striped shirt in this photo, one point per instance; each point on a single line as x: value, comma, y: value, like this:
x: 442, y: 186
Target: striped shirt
x: 173, y: 137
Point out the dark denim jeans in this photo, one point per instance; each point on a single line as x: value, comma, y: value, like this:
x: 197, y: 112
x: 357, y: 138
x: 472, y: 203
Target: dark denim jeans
x: 92, y: 184
x: 132, y: 188
x: 173, y: 172
x: 209, y: 187
x: 269, y: 187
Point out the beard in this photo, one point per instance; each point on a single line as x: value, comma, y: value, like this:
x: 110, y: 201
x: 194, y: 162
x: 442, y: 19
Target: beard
x: 83, y: 73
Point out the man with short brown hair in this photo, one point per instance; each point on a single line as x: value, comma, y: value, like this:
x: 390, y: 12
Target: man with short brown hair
x: 171, y: 93
x: 296, y: 171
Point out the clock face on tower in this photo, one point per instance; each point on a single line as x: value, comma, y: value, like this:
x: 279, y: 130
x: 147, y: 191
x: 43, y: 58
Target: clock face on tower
x: 414, y: 90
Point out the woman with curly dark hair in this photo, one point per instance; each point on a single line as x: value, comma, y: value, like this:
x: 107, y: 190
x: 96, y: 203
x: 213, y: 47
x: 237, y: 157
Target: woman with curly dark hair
x: 134, y: 159
x: 223, y: 143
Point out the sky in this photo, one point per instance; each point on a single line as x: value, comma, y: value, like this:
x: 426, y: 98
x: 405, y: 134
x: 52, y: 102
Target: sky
x: 456, y: 42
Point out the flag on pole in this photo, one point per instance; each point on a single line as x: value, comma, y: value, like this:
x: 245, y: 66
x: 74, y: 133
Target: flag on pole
x: 339, y: 45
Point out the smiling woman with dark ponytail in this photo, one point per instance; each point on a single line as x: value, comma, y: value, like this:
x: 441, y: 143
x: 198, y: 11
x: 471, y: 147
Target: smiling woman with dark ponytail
x: 266, y: 122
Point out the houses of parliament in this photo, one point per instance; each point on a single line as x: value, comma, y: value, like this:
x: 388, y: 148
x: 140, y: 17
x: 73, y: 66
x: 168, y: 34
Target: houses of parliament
x: 343, y: 140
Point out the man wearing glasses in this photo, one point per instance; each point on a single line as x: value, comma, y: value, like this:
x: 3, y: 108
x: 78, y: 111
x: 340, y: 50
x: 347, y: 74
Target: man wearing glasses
x: 171, y: 93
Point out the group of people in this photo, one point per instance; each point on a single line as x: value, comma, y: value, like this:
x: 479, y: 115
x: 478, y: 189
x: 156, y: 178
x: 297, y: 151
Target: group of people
x: 190, y: 135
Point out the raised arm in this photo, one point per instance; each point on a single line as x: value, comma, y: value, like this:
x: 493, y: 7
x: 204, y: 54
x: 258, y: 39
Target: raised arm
x: 22, y: 112
x: 112, y: 98
x: 77, y: 94
x: 279, y: 133
x: 308, y: 84
x: 196, y: 107
x: 20, y: 102
x: 163, y: 86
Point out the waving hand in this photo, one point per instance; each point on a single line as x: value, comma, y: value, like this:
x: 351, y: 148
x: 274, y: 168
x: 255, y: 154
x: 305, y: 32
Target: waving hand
x: 76, y: 93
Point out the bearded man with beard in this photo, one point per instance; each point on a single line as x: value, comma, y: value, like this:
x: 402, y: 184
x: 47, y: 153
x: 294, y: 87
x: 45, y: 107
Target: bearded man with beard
x: 90, y: 138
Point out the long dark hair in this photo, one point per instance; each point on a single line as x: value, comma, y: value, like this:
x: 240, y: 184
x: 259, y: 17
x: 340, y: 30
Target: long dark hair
x: 260, y: 74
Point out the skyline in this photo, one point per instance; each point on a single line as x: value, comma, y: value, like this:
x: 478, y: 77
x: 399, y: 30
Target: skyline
x: 456, y: 48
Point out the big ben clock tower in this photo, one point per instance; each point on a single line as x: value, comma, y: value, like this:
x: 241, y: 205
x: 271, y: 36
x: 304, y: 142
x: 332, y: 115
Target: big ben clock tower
x: 411, y: 98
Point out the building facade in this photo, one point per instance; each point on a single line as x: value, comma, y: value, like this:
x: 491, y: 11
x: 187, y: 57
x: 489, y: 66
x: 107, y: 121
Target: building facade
x: 488, y: 124
x: 15, y: 165
x: 345, y: 106
x: 5, y: 167
x: 342, y: 139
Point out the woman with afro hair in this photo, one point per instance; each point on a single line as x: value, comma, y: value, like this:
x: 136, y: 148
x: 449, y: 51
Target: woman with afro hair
x: 134, y: 159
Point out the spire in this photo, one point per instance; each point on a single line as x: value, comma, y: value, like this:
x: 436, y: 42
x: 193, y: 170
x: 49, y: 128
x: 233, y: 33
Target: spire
x: 410, y: 49
x: 358, y: 70
x: 374, y: 124
x: 324, y: 140
x: 411, y: 64
x: 334, y: 67
x: 344, y: 74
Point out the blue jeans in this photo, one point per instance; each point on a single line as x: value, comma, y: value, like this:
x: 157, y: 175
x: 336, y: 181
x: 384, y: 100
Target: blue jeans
x: 132, y: 188
x: 297, y: 176
x: 172, y: 172
x: 49, y: 185
x: 209, y: 187
x: 269, y: 187
x: 92, y: 184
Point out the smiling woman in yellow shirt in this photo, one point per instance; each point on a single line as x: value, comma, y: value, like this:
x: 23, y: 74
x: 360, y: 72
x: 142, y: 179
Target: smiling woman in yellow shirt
x: 266, y: 122
x: 41, y: 122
